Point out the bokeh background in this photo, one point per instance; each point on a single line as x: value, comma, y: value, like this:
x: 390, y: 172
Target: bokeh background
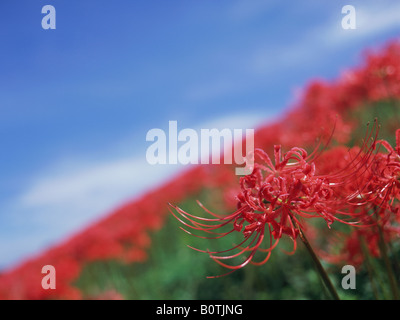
x: 76, y: 104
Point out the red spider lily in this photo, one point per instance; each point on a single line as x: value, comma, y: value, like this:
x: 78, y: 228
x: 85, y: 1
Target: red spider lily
x: 384, y: 186
x: 382, y: 183
x: 387, y: 172
x: 276, y: 197
x: 381, y: 194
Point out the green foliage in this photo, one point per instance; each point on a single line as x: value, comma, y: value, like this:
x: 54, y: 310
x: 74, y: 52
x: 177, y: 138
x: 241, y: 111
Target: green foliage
x: 387, y: 112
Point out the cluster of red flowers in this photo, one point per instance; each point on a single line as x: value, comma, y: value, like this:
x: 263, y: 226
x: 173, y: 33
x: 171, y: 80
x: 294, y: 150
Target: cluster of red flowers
x: 357, y: 187
x: 380, y: 196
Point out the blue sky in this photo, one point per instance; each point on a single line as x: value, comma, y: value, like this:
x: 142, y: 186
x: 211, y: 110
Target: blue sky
x: 76, y: 102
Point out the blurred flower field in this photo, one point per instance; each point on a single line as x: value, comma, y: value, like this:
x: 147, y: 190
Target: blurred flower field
x: 139, y: 251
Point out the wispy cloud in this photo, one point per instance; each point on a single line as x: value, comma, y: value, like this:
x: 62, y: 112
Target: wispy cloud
x: 379, y: 18
x: 372, y: 19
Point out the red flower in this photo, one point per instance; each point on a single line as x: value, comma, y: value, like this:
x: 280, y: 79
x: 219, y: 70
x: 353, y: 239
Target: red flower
x: 381, y: 208
x: 275, y: 198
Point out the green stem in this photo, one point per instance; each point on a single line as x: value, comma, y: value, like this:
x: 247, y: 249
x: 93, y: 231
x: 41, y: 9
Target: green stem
x: 369, y: 268
x: 317, y: 262
x: 385, y: 256
x: 395, y: 262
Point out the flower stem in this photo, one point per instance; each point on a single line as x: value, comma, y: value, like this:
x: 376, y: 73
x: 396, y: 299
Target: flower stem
x: 390, y: 272
x: 369, y: 268
x: 320, y: 268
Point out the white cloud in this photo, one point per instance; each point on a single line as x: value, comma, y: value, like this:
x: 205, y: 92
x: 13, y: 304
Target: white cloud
x: 372, y: 18
x: 84, y: 183
x: 378, y: 17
